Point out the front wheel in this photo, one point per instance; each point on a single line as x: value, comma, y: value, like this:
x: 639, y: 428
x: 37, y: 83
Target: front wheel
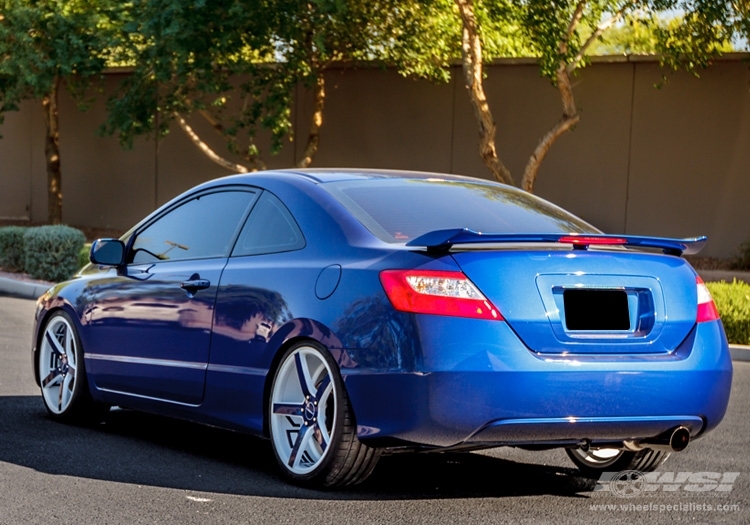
x: 593, y: 461
x: 312, y: 427
x: 62, y: 375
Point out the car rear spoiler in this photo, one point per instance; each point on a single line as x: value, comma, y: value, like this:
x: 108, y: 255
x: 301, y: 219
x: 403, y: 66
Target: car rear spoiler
x: 443, y: 240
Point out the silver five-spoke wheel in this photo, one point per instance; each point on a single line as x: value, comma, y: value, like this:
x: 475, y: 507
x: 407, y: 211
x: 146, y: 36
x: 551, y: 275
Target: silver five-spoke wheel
x: 303, y: 405
x: 57, y: 364
x: 62, y: 375
x: 311, y: 425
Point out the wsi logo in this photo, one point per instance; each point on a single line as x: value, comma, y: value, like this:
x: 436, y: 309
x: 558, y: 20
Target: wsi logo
x: 630, y: 483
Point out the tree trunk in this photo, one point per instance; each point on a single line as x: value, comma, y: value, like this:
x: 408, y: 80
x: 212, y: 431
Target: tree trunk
x: 218, y: 127
x: 569, y: 119
x: 316, y: 121
x: 471, y: 51
x: 52, y: 154
x: 206, y: 149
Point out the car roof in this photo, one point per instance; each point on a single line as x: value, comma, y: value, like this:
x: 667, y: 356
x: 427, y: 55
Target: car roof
x: 323, y: 175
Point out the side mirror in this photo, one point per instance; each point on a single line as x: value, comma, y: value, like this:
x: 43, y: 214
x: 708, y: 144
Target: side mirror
x: 107, y: 252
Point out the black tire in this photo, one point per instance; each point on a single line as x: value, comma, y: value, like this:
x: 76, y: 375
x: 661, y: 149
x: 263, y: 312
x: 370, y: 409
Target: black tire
x: 62, y: 373
x: 594, y: 461
x: 311, y: 424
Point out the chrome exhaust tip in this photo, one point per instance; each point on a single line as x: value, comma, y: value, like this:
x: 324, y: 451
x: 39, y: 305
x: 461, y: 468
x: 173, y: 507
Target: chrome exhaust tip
x: 676, y: 440
x: 680, y: 439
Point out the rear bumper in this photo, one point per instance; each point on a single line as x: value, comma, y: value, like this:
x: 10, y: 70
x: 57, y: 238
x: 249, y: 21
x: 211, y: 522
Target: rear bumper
x: 501, y: 393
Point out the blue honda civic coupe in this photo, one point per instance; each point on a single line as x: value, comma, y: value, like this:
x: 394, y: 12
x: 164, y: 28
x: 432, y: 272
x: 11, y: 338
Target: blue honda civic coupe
x: 348, y: 314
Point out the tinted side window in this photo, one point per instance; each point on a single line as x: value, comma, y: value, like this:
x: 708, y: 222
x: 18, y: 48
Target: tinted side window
x: 199, y: 228
x: 269, y: 229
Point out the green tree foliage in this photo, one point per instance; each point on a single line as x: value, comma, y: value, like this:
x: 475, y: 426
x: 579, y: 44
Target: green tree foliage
x: 184, y: 55
x: 632, y: 36
x: 424, y: 38
x: 237, y: 63
x: 671, y: 37
x: 45, y: 44
x: 706, y: 29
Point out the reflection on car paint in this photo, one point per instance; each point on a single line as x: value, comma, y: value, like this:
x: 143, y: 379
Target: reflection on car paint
x: 298, y: 328
x: 250, y: 314
x: 377, y: 336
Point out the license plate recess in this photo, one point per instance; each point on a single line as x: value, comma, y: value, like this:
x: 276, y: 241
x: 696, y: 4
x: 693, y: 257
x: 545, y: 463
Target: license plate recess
x: 596, y: 310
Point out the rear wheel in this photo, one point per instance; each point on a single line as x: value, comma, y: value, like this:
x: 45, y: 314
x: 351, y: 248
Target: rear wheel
x: 312, y: 427
x: 62, y: 374
x: 594, y: 461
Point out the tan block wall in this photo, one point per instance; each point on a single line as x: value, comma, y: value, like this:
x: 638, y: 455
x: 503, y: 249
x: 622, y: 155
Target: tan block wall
x: 673, y: 161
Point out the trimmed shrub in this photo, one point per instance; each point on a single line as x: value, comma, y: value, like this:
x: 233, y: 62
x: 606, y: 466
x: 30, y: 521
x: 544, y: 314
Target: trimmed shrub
x: 733, y: 302
x: 52, y: 252
x: 11, y: 248
x: 83, y: 255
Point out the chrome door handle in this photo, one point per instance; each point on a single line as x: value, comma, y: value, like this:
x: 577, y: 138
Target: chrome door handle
x: 194, y: 285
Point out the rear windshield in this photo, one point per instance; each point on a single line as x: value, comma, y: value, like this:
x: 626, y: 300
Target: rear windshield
x: 397, y: 210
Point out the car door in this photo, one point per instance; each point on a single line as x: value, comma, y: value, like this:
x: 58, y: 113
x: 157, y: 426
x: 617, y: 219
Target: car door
x: 150, y: 325
x: 264, y: 277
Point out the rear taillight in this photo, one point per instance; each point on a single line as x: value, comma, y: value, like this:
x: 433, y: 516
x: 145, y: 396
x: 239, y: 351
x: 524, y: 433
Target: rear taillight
x: 438, y: 293
x: 706, y: 308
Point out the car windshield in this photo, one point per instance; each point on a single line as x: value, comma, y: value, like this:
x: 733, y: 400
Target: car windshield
x: 397, y: 210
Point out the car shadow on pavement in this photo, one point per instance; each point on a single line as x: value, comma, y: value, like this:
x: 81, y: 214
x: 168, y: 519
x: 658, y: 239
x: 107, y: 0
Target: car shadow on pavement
x: 142, y: 449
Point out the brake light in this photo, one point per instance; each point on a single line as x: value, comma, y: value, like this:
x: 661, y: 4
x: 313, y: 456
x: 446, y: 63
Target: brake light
x: 582, y: 240
x: 707, y: 310
x: 438, y: 293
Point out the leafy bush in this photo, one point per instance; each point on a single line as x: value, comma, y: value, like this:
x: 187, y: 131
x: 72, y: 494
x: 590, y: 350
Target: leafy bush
x: 51, y: 252
x: 733, y: 302
x: 11, y: 248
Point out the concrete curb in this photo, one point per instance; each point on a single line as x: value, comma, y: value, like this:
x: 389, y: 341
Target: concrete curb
x: 24, y: 289
x: 32, y: 290
x: 740, y: 352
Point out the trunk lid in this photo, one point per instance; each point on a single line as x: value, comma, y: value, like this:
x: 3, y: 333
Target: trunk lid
x: 588, y: 301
